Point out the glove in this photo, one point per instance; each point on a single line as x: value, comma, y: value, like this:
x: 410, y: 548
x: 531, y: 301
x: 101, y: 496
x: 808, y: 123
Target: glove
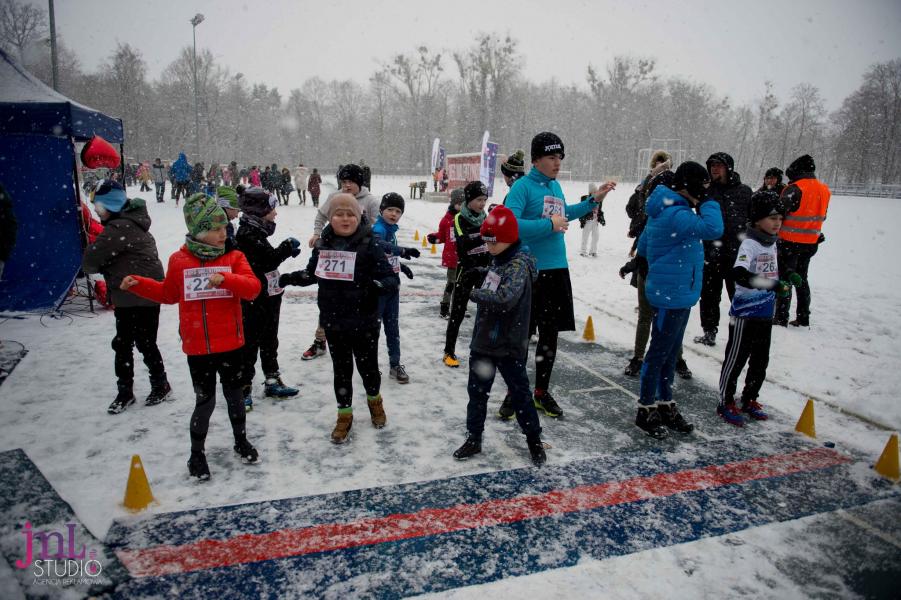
x: 795, y: 279
x: 622, y: 273
x: 432, y: 238
x: 406, y: 271
x: 286, y: 280
x: 821, y: 238
x: 295, y: 247
x: 601, y: 219
x: 783, y: 288
x: 409, y: 253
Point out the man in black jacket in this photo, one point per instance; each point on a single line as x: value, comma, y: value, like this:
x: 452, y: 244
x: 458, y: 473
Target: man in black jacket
x: 734, y: 199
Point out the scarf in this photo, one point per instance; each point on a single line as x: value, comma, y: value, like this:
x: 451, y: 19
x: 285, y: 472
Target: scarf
x: 764, y: 239
x: 474, y: 218
x: 201, y: 250
x: 267, y: 227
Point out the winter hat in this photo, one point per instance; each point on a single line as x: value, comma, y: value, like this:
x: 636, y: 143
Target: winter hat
x: 660, y: 157
x: 774, y: 172
x: 545, y: 144
x: 473, y: 190
x: 202, y: 213
x: 392, y: 200
x: 500, y: 226
x: 691, y: 177
x: 764, y: 204
x: 97, y: 152
x: 110, y: 195
x: 514, y: 166
x: 723, y: 158
x: 226, y: 197
x: 344, y: 201
x: 801, y: 165
x: 351, y: 173
x: 257, y: 202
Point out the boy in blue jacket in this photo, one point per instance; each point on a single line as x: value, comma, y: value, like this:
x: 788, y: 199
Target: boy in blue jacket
x: 670, y: 249
x: 500, y: 337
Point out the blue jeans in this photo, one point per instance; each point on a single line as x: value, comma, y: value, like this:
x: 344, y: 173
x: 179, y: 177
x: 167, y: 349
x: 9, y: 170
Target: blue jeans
x: 482, y: 370
x: 389, y: 311
x: 667, y: 329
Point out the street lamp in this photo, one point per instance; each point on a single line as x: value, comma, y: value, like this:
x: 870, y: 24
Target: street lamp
x: 197, y: 20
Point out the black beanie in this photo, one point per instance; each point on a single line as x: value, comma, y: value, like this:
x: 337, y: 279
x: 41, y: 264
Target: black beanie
x: 721, y: 157
x: 545, y: 144
x: 257, y: 202
x: 774, y: 172
x: 691, y: 177
x: 800, y: 166
x: 392, y: 200
x: 351, y: 173
x: 764, y: 204
x: 473, y: 190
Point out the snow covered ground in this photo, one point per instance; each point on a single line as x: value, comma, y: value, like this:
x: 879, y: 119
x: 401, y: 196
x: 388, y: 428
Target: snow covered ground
x: 54, y: 404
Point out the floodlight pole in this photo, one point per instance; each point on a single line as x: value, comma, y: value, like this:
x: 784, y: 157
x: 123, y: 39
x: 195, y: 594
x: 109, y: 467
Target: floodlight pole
x: 197, y: 20
x: 54, y: 67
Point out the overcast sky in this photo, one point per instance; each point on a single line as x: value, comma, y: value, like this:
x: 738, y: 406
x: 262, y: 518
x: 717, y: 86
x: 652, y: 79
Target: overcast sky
x: 733, y: 46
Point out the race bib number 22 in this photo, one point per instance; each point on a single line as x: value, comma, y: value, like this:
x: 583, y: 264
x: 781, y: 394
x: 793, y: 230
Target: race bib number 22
x: 197, y: 284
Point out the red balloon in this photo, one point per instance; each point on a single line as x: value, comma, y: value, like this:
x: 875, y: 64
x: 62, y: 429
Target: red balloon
x: 99, y: 153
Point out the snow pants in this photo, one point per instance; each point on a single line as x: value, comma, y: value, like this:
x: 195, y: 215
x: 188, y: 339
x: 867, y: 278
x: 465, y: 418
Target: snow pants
x: 136, y: 326
x: 261, y: 317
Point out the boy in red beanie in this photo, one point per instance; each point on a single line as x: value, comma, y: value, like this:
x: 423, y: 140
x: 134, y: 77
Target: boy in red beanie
x: 500, y: 337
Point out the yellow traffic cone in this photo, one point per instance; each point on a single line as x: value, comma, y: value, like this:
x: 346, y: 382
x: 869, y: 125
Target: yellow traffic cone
x: 416, y: 235
x: 805, y: 423
x: 434, y: 248
x: 887, y: 465
x: 425, y: 242
x: 588, y: 334
x: 137, y: 493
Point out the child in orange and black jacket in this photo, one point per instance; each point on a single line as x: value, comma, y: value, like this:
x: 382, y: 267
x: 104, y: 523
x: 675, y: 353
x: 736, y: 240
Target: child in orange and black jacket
x: 208, y: 283
x: 445, y: 235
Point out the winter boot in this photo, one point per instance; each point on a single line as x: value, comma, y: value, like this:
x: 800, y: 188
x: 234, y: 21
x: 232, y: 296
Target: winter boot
x: 708, y: 339
x: 800, y: 322
x: 450, y: 360
x: 124, y: 399
x: 249, y: 454
x: 197, y: 466
x: 545, y: 402
x: 470, y: 447
x: 672, y: 418
x: 376, y: 411
x: 506, y: 411
x: 536, y: 450
x: 399, y: 373
x: 275, y: 387
x: 159, y: 392
x: 729, y: 412
x: 342, y: 427
x: 316, y: 350
x: 682, y: 369
x: 648, y: 419
x: 753, y: 409
x: 445, y: 311
x: 633, y: 369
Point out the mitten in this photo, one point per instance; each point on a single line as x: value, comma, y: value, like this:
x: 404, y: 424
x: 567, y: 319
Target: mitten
x: 406, y: 271
x: 783, y: 288
x: 795, y: 279
x: 432, y: 238
x: 287, y: 279
x: 409, y: 253
x: 601, y: 219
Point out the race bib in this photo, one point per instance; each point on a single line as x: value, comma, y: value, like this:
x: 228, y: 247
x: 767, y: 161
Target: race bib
x: 766, y: 266
x: 197, y: 284
x: 553, y: 206
x: 272, y: 283
x: 394, y: 261
x: 492, y: 280
x: 336, y: 264
x: 478, y: 250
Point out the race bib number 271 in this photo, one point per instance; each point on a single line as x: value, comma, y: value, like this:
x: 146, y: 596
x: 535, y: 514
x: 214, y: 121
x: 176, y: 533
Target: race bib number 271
x: 336, y: 264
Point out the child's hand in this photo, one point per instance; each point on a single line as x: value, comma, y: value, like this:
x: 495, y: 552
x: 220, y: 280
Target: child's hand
x: 313, y: 240
x: 622, y: 273
x: 128, y: 282
x: 409, y: 253
x: 216, y: 279
x: 558, y: 223
x: 432, y: 238
x: 607, y: 186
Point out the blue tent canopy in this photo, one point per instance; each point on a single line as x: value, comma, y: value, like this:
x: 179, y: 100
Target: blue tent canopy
x: 38, y: 131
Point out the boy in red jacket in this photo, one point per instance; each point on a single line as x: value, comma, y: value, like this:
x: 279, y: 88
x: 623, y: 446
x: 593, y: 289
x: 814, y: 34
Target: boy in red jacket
x: 208, y: 284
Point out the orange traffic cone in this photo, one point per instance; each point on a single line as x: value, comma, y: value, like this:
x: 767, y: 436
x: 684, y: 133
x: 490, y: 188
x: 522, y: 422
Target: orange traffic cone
x: 425, y: 242
x: 416, y: 235
x: 588, y: 334
x: 137, y: 493
x: 434, y: 248
x: 887, y: 465
x: 805, y: 423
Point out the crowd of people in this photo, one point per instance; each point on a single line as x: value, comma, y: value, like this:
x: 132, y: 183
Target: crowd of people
x: 695, y: 228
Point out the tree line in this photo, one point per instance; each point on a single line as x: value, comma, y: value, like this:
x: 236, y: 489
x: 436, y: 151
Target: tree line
x: 456, y: 95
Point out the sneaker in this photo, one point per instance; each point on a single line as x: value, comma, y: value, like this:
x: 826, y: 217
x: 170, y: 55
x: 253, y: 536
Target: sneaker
x: 754, y: 410
x: 470, y: 447
x: 399, y: 373
x: 248, y: 399
x: 672, y: 418
x: 633, y: 369
x: 377, y: 411
x: 124, y: 399
x: 799, y: 322
x: 316, y: 350
x: 682, y: 369
x: 729, y: 413
x: 545, y: 402
x: 275, y: 388
x: 158, y: 393
x: 648, y: 419
x: 197, y: 466
x: 249, y: 454
x: 506, y: 411
x: 342, y: 427
x: 450, y: 360
x: 536, y: 450
x: 708, y: 339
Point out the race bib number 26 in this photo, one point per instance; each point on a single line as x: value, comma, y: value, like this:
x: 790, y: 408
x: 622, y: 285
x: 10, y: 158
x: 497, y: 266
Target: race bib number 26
x: 336, y: 264
x: 197, y: 284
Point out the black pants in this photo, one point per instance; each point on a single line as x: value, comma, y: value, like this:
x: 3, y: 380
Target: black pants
x: 203, y: 369
x: 795, y: 257
x: 749, y: 342
x: 460, y: 300
x: 552, y: 312
x: 482, y: 371
x: 160, y: 191
x: 716, y: 271
x: 180, y: 188
x: 137, y: 326
x: 347, y: 347
x: 261, y: 319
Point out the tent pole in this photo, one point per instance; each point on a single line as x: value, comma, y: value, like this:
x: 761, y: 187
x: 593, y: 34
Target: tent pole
x: 84, y: 227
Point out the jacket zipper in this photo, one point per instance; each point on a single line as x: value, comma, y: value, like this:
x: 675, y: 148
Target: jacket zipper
x: 206, y: 332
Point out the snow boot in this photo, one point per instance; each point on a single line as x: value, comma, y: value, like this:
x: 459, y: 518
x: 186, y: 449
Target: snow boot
x: 249, y: 454
x: 682, y: 369
x: 124, y: 399
x: 450, y: 360
x: 536, y: 451
x: 197, y: 466
x: 445, y: 311
x: 275, y: 388
x: 159, y: 392
x: 376, y: 411
x: 248, y: 398
x: 729, y: 412
x: 545, y: 402
x: 672, y: 418
x: 470, y: 448
x: 648, y: 419
x: 633, y: 369
x: 399, y: 373
x: 800, y: 322
x: 316, y: 350
x: 506, y: 411
x: 343, y: 425
x: 708, y: 339
x: 753, y: 409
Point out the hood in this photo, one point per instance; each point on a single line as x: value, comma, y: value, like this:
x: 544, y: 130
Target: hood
x: 723, y: 158
x: 136, y: 212
x: 662, y: 198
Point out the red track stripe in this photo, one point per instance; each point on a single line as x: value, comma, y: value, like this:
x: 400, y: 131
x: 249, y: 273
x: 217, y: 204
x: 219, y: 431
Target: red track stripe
x: 247, y: 548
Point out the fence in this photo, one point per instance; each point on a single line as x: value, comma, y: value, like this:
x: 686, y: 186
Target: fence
x: 873, y: 190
